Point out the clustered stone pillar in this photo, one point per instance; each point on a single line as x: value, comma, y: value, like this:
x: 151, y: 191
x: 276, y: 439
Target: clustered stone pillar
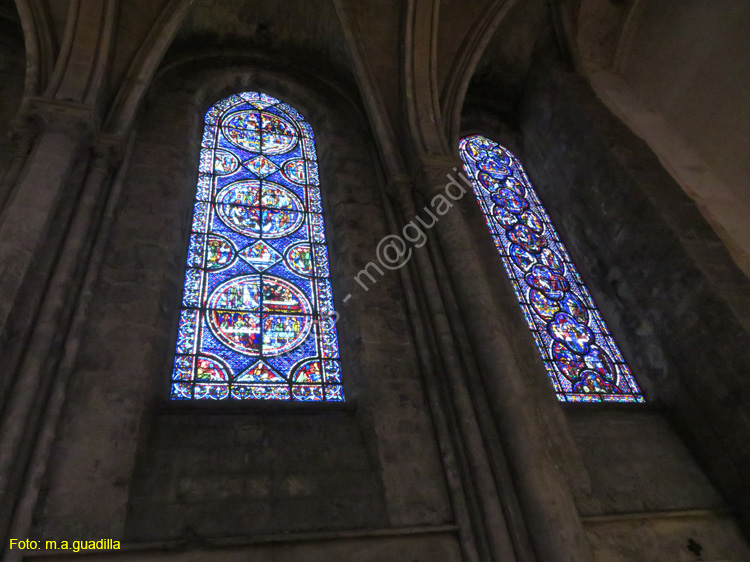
x: 477, y: 503
x: 30, y: 209
x: 545, y: 497
x: 44, y: 189
x: 23, y: 137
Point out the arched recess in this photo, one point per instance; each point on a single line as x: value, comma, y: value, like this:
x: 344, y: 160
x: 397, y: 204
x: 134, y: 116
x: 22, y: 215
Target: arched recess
x: 677, y: 74
x: 145, y: 62
x: 420, y: 76
x: 257, y: 320
x: 127, y: 350
x: 41, y: 44
x: 465, y: 62
x: 489, y: 71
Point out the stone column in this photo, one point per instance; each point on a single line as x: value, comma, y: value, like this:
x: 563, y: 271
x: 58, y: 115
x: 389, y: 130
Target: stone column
x: 521, y: 399
x: 28, y: 213
x: 24, y: 232
x: 23, y: 137
x: 478, y: 502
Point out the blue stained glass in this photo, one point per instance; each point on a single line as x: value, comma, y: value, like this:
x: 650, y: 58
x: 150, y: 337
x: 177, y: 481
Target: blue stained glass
x: 206, y: 162
x: 209, y: 136
x: 195, y: 250
x: 334, y: 393
x: 225, y: 163
x: 309, y: 148
x: 325, y: 296
x: 294, y: 171
x: 581, y: 356
x: 200, y: 216
x: 257, y: 321
x: 314, y: 204
x: 317, y: 230
x: 312, y: 172
x: 210, y: 391
x: 260, y: 166
x: 304, y: 126
x: 181, y: 391
x: 321, y: 260
x: 204, y: 188
x: 183, y: 368
x: 186, y: 333
x: 332, y: 371
x: 328, y: 342
x: 193, y: 282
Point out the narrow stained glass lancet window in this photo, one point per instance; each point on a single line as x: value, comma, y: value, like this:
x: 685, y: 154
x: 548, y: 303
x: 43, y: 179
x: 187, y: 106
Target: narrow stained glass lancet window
x: 257, y: 318
x: 581, y: 356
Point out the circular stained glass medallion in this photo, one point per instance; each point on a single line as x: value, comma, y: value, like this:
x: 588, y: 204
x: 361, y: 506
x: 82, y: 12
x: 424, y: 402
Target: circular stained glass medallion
x: 567, y: 362
x: 573, y: 306
x: 576, y: 337
x: 598, y: 361
x: 510, y: 200
x: 543, y: 306
x: 532, y: 220
x: 259, y: 131
x: 526, y: 238
x: 503, y: 216
x: 552, y: 260
x: 521, y: 258
x: 270, y: 211
x: 515, y: 185
x: 553, y: 285
x: 594, y: 383
x: 259, y: 315
x: 490, y: 183
x: 494, y: 166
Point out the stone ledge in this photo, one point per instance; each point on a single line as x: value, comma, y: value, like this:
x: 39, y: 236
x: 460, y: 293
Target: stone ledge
x: 252, y: 407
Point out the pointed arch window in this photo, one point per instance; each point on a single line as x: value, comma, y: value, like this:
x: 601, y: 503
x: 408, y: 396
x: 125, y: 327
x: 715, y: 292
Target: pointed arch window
x: 257, y: 318
x: 581, y: 356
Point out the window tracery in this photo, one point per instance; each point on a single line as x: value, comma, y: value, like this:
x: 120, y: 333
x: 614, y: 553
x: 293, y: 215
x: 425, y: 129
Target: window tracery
x: 581, y: 357
x: 257, y: 318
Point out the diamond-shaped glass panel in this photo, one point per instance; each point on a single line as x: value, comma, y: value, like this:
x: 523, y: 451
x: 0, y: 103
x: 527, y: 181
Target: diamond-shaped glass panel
x: 260, y: 166
x: 260, y: 255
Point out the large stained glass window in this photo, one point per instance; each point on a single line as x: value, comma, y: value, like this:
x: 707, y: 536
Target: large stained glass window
x: 581, y: 357
x: 257, y: 318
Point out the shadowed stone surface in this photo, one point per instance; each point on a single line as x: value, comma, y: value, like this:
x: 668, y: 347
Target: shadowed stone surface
x: 674, y: 300
x: 223, y: 475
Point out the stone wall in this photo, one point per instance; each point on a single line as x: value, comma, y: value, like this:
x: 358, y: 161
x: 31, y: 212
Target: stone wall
x: 676, y: 303
x: 641, y: 494
x: 152, y: 472
x: 222, y: 475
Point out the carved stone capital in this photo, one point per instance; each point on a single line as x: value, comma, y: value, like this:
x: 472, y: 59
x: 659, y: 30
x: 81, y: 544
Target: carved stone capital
x: 400, y: 188
x: 73, y: 119
x: 108, y: 151
x: 435, y: 173
x: 22, y: 133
